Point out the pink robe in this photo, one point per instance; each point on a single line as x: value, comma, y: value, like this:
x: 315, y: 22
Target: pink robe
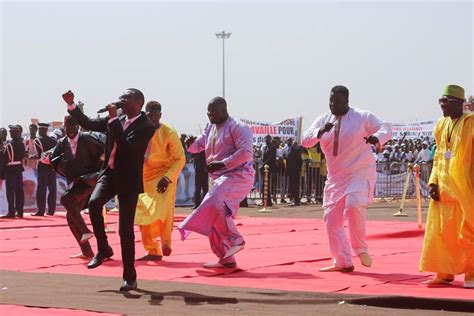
x: 232, y: 143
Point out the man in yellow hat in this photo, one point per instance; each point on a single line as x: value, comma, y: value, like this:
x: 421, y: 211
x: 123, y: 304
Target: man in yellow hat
x: 448, y: 247
x: 164, y: 160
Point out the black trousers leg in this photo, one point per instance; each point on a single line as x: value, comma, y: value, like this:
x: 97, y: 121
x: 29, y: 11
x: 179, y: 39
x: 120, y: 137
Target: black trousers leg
x: 41, y: 190
x: 103, y: 192
x: 52, y: 191
x: 10, y: 188
x: 295, y: 185
x: 197, y: 189
x: 127, y: 208
x: 76, y: 232
x: 273, y: 185
x: 201, y: 187
x: 73, y: 201
x: 19, y: 193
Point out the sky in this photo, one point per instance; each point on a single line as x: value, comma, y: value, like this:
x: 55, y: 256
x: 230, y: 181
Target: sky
x: 281, y: 60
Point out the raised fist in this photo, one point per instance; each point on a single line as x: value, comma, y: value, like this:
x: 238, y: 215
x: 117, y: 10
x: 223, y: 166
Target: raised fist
x: 68, y: 97
x: 371, y: 140
x: 325, y: 129
x: 328, y: 127
x: 190, y: 140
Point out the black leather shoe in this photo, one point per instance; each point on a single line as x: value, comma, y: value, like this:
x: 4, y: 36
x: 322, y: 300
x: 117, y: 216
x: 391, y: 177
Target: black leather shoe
x: 149, y: 257
x: 99, y: 259
x: 37, y: 214
x: 19, y: 216
x: 50, y: 213
x: 8, y: 216
x: 128, y: 286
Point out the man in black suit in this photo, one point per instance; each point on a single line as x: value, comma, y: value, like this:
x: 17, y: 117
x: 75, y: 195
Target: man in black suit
x: 46, y: 174
x: 13, y: 153
x: 121, y: 174
x: 78, y: 158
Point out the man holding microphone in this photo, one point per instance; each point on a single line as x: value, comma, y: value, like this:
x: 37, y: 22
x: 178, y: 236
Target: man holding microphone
x: 345, y: 134
x: 121, y: 174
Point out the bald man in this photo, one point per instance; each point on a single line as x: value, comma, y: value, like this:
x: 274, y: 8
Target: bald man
x: 228, y: 145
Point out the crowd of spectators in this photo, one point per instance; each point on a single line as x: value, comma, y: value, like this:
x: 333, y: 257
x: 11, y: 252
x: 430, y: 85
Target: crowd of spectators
x: 407, y: 151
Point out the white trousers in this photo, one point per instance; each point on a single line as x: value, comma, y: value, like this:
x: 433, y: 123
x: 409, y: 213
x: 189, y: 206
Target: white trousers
x: 352, y: 208
x: 224, y: 235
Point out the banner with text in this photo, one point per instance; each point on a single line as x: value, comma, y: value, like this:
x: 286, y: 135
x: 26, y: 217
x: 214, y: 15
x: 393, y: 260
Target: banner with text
x: 414, y: 130
x: 289, y: 128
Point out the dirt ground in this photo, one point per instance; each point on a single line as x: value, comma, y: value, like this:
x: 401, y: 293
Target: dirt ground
x: 177, y: 298
x: 174, y: 298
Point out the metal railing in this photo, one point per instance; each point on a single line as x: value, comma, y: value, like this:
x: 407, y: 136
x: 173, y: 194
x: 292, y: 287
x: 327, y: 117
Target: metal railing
x: 389, y: 183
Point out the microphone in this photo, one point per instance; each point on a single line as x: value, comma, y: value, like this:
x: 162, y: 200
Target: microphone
x: 118, y: 105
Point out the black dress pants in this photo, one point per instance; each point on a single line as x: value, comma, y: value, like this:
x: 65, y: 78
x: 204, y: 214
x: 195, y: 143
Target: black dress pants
x: 14, y: 188
x: 46, y: 180
x: 294, y: 187
x: 74, y: 200
x: 201, y: 186
x: 103, y: 192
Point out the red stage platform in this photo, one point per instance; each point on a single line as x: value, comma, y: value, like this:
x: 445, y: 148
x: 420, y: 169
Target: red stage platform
x: 281, y: 254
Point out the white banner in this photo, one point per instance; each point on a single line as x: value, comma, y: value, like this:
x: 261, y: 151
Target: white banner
x: 414, y: 130
x: 289, y: 128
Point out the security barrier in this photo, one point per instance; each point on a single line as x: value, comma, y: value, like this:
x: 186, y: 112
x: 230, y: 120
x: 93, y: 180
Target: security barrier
x: 390, y: 182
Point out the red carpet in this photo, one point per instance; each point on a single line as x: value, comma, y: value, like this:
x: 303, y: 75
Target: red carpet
x: 33, y: 311
x: 281, y: 253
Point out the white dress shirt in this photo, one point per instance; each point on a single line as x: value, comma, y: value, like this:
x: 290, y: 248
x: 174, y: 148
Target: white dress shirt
x: 73, y: 144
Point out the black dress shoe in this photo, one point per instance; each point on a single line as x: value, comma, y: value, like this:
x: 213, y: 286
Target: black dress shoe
x: 19, y: 216
x: 128, y: 286
x: 37, y: 214
x: 8, y: 216
x: 50, y: 213
x: 99, y: 259
x: 149, y: 257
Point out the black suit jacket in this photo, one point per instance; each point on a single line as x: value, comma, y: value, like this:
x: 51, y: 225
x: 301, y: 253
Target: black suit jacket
x: 294, y: 162
x: 87, y: 160
x: 131, y: 147
x: 269, y: 158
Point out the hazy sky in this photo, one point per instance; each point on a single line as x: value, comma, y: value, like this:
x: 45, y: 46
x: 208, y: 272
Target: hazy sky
x: 281, y: 60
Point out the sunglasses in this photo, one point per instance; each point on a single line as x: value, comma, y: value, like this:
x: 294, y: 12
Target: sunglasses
x: 446, y: 100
